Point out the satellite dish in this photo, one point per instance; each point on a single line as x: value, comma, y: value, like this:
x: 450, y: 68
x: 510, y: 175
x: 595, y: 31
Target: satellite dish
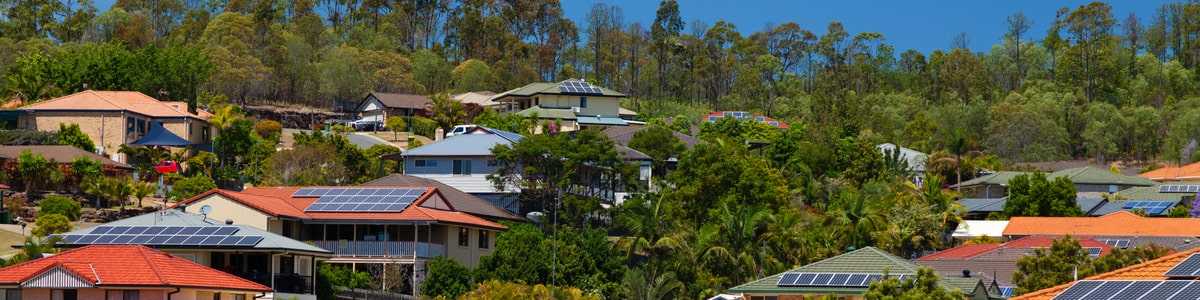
x: 536, y: 216
x: 204, y: 210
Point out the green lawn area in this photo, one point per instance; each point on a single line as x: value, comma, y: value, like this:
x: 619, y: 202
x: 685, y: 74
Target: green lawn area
x: 7, y: 239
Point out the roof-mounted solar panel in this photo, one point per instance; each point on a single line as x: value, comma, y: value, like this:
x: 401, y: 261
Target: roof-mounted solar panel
x: 1190, y: 267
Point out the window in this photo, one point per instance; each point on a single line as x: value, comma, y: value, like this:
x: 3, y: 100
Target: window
x: 464, y: 236
x: 216, y: 296
x: 130, y: 125
x: 483, y: 239
x: 583, y: 102
x: 12, y: 294
x: 491, y: 163
x: 130, y: 295
x: 462, y: 167
x: 764, y: 297
x: 425, y: 163
x: 239, y: 297
x: 64, y: 295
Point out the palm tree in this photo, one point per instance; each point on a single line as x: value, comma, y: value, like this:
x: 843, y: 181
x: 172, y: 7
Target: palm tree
x: 735, y: 240
x: 854, y: 219
x: 141, y: 190
x: 645, y: 219
x: 643, y: 285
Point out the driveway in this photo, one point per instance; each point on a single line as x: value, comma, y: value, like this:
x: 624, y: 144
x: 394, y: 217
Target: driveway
x: 362, y: 140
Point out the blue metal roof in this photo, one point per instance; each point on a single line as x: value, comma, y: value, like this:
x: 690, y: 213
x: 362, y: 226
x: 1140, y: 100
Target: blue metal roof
x: 160, y: 136
x: 601, y: 120
x: 461, y: 145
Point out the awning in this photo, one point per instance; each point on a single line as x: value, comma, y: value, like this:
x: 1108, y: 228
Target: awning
x: 600, y: 120
x: 160, y: 136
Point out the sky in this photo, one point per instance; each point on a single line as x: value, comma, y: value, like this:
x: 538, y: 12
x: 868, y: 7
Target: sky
x: 924, y: 25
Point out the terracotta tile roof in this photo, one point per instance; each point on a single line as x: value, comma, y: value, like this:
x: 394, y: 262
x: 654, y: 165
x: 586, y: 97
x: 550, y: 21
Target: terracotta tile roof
x: 1150, y: 270
x: 278, y: 201
x: 1121, y: 223
x: 461, y: 200
x: 1174, y: 173
x: 961, y: 252
x: 117, y: 100
x: 59, y: 153
x: 129, y: 265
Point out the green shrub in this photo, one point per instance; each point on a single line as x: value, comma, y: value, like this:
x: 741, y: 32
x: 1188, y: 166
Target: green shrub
x: 72, y: 135
x: 48, y: 224
x: 188, y: 187
x: 446, y: 278
x: 62, y: 205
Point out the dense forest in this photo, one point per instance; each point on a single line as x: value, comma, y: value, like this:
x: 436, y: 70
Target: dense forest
x: 1095, y: 86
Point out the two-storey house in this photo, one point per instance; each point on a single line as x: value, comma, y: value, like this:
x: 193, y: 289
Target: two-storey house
x: 389, y: 232
x: 573, y: 103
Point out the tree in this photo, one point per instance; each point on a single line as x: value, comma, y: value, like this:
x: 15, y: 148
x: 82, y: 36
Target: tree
x: 1035, y: 195
x: 432, y: 71
x: 1018, y: 24
x: 494, y: 289
x: 397, y: 125
x: 306, y: 165
x: 140, y: 190
x: 60, y: 205
x: 36, y: 172
x: 446, y: 112
x: 924, y: 286
x: 241, y: 153
x: 71, y: 135
x: 269, y: 130
x: 660, y: 143
x: 48, y: 224
x: 446, y: 278
x: 1049, y: 267
x: 473, y: 75
x: 188, y: 187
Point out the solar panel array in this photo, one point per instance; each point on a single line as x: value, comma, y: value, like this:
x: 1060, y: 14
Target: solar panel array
x: 1132, y: 289
x: 578, y: 87
x: 1007, y: 291
x: 360, y: 199
x: 1116, y: 243
x: 1179, y: 188
x: 1151, y: 207
x: 1190, y: 267
x: 162, y: 236
x: 792, y: 279
x: 1093, y: 251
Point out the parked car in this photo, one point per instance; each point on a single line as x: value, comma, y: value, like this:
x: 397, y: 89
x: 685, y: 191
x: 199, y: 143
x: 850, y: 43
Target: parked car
x: 461, y: 129
x: 367, y: 125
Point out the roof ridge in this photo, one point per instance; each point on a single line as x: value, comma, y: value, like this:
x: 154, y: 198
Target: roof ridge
x: 141, y: 250
x: 895, y: 259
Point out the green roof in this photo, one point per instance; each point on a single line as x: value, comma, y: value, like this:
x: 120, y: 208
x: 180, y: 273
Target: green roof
x: 550, y: 88
x: 1149, y: 193
x: 1091, y: 175
x: 548, y: 113
x: 865, y: 260
x: 998, y: 178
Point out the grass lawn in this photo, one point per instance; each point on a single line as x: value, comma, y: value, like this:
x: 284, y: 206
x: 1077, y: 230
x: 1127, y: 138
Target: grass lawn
x: 7, y: 239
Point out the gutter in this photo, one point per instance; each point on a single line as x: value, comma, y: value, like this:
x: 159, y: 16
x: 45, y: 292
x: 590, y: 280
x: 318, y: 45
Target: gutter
x: 176, y: 291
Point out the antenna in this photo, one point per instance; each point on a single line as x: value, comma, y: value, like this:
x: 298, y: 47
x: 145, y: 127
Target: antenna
x: 205, y: 210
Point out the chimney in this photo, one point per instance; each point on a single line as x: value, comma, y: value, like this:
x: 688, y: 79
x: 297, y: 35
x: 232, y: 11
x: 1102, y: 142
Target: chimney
x: 439, y: 134
x: 966, y: 273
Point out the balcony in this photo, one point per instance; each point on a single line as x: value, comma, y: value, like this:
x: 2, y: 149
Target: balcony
x: 346, y: 248
x: 293, y: 284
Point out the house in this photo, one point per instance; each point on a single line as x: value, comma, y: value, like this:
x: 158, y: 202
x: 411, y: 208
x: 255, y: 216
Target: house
x: 390, y: 232
x: 463, y: 201
x: 712, y: 117
x: 1189, y: 172
x: 996, y: 262
x: 286, y: 267
x: 1086, y: 179
x: 63, y: 154
x: 1091, y: 204
x: 1175, y: 233
x: 1172, y: 276
x: 622, y: 135
x: 378, y: 106
x: 121, y: 272
x: 847, y: 276
x: 573, y: 103
x: 464, y: 161
x: 989, y: 186
x: 479, y: 98
x: 115, y: 118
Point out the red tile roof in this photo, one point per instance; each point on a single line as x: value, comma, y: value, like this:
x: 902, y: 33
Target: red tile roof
x: 118, y: 100
x: 129, y: 265
x: 969, y: 251
x: 1174, y: 173
x: 278, y: 201
x: 1155, y: 269
x: 961, y: 252
x: 1120, y: 223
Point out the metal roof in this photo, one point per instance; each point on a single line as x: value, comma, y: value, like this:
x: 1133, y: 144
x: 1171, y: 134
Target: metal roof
x: 865, y: 260
x: 461, y: 145
x: 601, y: 120
x: 916, y: 159
x: 173, y: 217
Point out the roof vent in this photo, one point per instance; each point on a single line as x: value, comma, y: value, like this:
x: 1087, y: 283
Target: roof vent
x: 228, y: 221
x: 966, y: 273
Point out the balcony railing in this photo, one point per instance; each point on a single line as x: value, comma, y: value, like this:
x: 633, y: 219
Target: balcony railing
x: 293, y: 284
x: 380, y: 248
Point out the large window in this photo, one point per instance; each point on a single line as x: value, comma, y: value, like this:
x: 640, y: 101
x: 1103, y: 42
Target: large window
x: 64, y: 295
x: 483, y: 239
x: 464, y: 237
x: 583, y: 102
x: 462, y: 167
x: 422, y: 163
x: 12, y: 294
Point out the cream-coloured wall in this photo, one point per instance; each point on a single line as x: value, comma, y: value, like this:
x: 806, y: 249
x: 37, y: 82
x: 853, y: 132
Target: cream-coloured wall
x: 470, y: 254
x: 194, y: 294
x: 106, y: 129
x: 94, y: 294
x: 199, y: 257
x: 597, y: 105
x: 223, y: 209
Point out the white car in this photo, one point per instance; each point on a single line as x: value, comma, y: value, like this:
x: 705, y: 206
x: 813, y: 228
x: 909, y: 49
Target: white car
x: 461, y: 129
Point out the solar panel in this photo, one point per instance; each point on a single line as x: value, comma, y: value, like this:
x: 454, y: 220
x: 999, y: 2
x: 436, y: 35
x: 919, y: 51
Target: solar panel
x: 1136, y: 289
x: 162, y: 235
x: 1107, y: 289
x: 1093, y: 251
x: 829, y: 279
x: 1006, y: 291
x: 578, y: 87
x: 1078, y: 290
x: 1191, y: 292
x: 1165, y: 289
x: 805, y: 279
x: 1188, y: 268
x: 1179, y: 188
x: 1151, y: 207
x: 361, y: 199
x: 787, y: 279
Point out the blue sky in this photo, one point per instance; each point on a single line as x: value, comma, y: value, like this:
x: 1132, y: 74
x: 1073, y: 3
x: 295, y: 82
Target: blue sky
x: 912, y: 24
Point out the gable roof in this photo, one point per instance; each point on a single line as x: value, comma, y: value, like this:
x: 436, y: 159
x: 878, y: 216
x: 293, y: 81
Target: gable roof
x: 550, y: 88
x: 278, y: 202
x: 623, y: 134
x: 1121, y: 223
x: 976, y: 228
x: 997, y: 261
x: 128, y: 265
x: 461, y: 201
x: 135, y: 102
x: 1093, y: 175
x: 396, y: 100
x: 997, y: 178
x: 1154, y: 269
x: 1174, y: 173
x: 59, y: 153
x: 548, y: 113
x: 175, y: 217
x: 865, y: 260
x: 481, y: 98
x: 471, y: 144
x: 915, y: 159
